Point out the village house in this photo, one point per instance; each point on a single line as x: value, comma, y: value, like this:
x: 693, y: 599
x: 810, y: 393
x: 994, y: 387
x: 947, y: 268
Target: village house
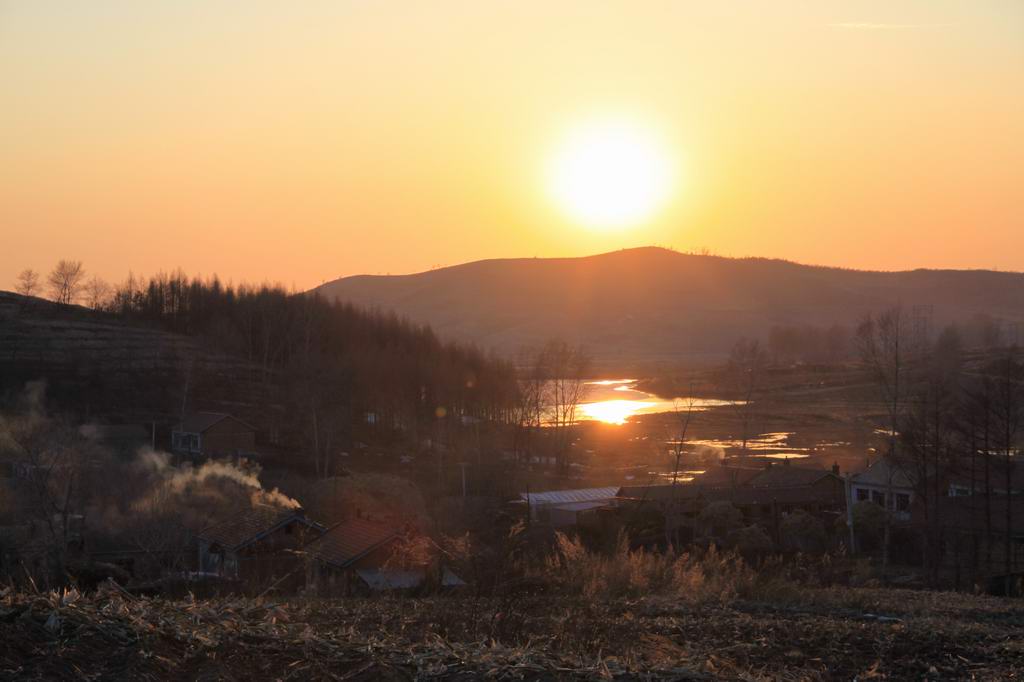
x: 885, y: 484
x: 358, y: 556
x: 891, y: 484
x: 975, y: 475
x: 789, y: 488
x: 213, y: 434
x: 762, y: 495
x: 258, y: 546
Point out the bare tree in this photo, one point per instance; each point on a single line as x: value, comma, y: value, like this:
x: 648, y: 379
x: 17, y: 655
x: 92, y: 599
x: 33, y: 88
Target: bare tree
x: 978, y: 412
x: 65, y: 280
x: 928, y: 434
x: 746, y: 362
x: 883, y: 343
x: 682, y: 414
x: 60, y: 470
x: 527, y: 410
x: 97, y: 293
x: 28, y: 282
x: 1008, y: 410
x: 564, y: 368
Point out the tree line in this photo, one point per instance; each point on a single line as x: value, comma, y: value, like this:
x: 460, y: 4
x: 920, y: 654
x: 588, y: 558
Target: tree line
x: 954, y: 427
x: 337, y: 366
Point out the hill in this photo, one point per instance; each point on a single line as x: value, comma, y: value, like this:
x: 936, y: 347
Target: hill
x: 171, y: 345
x: 652, y: 303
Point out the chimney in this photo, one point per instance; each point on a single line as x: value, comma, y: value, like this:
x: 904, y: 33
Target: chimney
x: 835, y: 468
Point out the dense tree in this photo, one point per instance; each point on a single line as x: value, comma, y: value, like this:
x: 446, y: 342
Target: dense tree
x: 340, y: 366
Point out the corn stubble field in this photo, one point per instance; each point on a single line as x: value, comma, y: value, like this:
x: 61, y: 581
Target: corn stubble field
x: 634, y: 617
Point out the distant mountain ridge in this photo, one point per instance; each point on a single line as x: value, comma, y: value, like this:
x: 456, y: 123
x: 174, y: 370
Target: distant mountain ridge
x: 652, y: 303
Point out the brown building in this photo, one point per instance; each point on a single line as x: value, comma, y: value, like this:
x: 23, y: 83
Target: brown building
x: 344, y: 550
x: 260, y: 546
x: 212, y: 434
x: 359, y: 556
x: 763, y: 496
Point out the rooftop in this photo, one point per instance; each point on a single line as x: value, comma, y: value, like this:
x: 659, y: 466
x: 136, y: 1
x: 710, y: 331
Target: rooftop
x: 198, y: 422
x: 880, y: 472
x: 725, y: 475
x: 252, y: 524
x: 351, y: 540
x: 560, y: 497
x: 785, y: 476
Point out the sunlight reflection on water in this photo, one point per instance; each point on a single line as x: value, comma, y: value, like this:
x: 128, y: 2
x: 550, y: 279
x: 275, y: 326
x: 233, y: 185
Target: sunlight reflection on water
x: 615, y: 401
x: 614, y: 411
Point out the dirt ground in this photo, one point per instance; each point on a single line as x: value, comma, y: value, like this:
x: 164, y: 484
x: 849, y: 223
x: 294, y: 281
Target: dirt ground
x: 824, y: 635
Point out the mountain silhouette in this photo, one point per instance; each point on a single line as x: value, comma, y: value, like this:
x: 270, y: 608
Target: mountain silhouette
x: 653, y: 303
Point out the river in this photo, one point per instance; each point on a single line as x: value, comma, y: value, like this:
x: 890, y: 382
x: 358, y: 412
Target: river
x: 615, y: 401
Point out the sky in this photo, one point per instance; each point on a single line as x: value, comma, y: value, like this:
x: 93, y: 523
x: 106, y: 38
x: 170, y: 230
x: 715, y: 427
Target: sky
x: 300, y: 142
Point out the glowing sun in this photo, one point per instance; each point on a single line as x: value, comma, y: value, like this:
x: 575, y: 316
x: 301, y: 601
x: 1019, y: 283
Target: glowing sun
x: 610, y: 174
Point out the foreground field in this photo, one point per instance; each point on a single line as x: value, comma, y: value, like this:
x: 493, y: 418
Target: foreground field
x: 824, y: 634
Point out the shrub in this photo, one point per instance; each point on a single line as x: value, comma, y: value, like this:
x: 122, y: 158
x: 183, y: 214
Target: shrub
x: 751, y: 541
x: 802, y: 532
x: 718, y: 519
x: 710, y: 577
x: 868, y: 525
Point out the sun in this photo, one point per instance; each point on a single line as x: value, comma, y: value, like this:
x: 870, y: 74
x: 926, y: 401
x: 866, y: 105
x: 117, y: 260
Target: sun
x: 610, y: 174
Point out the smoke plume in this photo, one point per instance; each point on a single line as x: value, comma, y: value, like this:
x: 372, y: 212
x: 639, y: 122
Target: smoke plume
x: 189, y: 479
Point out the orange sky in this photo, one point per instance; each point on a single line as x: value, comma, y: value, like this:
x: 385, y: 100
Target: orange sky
x: 299, y: 142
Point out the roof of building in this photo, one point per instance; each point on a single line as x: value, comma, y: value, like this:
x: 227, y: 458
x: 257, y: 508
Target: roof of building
x: 351, y: 540
x: 657, y: 493
x: 559, y: 497
x: 582, y: 506
x: 745, y: 495
x: 785, y: 476
x: 253, y: 524
x: 878, y: 474
x: 726, y: 474
x: 799, y: 494
x: 198, y: 422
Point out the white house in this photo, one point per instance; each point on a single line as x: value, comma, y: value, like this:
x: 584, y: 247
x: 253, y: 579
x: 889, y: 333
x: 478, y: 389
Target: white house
x: 879, y: 480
